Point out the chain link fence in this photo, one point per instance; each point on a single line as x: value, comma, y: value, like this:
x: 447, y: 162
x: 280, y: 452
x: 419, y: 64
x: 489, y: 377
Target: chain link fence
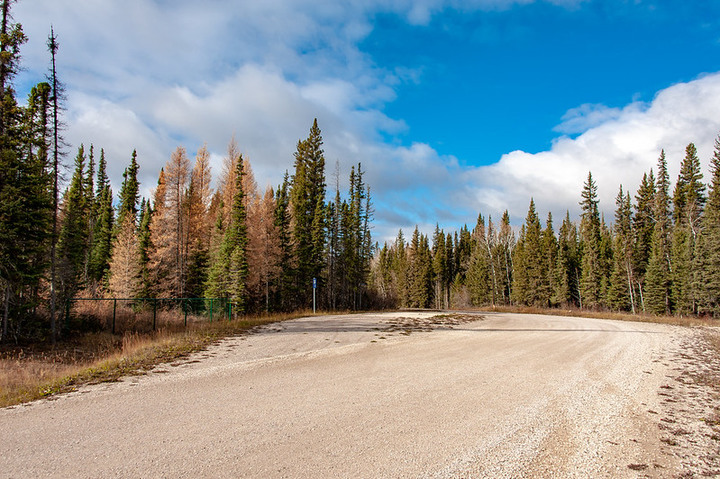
x: 119, y: 315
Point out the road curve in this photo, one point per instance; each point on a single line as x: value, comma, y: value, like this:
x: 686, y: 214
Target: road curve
x: 506, y: 395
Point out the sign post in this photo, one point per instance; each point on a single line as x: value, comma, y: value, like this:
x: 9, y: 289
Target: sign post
x: 314, y: 288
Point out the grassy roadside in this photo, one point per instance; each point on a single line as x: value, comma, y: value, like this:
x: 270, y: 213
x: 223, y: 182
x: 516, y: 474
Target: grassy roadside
x: 643, y: 318
x: 30, y: 374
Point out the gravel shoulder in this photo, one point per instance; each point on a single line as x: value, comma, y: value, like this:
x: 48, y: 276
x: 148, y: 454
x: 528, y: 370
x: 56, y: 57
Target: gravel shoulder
x: 390, y: 395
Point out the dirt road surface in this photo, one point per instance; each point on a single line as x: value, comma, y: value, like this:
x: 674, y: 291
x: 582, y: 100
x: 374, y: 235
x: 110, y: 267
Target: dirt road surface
x: 391, y: 395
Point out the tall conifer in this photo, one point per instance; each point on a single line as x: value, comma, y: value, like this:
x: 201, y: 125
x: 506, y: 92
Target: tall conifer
x: 706, y: 265
x: 658, y: 277
x: 591, y: 260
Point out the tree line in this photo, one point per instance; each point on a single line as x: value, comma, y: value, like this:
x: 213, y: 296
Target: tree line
x: 661, y: 255
x: 258, y: 249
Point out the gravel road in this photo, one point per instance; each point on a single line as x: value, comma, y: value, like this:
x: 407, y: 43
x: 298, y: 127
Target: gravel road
x: 374, y: 395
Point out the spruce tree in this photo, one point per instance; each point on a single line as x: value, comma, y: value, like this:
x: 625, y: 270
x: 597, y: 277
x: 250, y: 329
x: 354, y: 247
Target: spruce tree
x: 439, y: 260
x: 101, y: 247
x: 529, y: 276
x: 73, y: 239
x: 419, y: 271
x: 549, y: 252
x: 400, y: 270
x: 620, y: 291
x: 333, y: 246
x: 643, y: 226
x: 706, y: 265
x: 567, y: 269
x: 129, y: 192
x: 478, y: 279
x: 658, y: 279
x: 688, y: 203
x: 228, y: 271
x: 505, y: 247
x: 57, y: 144
x: 144, y: 246
x: 92, y: 213
x: 591, y: 278
x: 307, y: 200
x: 284, y: 283
x: 25, y: 203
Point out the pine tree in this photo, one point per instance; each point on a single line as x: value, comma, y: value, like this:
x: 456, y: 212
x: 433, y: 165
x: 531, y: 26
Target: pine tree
x: 658, y: 276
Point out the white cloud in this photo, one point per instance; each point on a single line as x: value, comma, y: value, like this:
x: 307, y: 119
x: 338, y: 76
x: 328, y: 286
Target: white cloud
x: 617, y: 151
x: 586, y: 116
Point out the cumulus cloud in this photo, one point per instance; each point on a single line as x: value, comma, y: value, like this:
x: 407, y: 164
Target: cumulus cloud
x: 617, y: 150
x: 586, y: 116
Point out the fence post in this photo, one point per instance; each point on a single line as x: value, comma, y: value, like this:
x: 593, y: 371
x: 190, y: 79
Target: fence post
x: 154, y: 312
x: 114, y: 310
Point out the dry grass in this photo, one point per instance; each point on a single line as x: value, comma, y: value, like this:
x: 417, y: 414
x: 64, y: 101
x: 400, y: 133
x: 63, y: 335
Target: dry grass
x: 646, y: 318
x: 27, y: 374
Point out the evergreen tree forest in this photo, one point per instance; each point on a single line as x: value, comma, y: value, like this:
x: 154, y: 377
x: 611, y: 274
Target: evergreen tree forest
x: 660, y: 254
x: 63, y: 238
x: 69, y: 236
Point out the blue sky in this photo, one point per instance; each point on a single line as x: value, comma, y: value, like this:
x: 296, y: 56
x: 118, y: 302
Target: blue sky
x: 491, y: 82
x: 453, y: 107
